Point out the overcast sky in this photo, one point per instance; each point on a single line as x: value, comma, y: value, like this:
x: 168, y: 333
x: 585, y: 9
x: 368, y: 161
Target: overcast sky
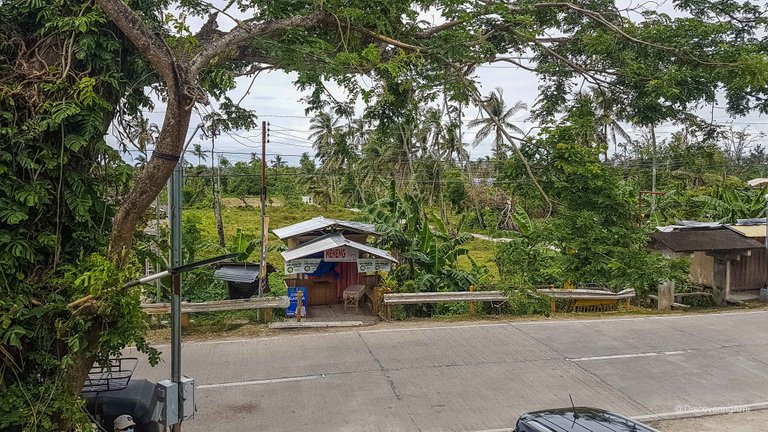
x: 275, y: 99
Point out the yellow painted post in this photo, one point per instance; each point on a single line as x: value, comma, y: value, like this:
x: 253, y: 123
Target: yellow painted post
x: 472, y: 304
x: 552, y: 305
x: 299, y: 294
x: 376, y: 300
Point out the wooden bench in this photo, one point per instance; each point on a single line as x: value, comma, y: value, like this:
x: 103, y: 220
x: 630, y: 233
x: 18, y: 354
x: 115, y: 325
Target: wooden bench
x: 352, y: 296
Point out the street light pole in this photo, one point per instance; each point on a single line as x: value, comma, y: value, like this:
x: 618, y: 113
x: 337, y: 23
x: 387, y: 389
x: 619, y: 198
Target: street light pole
x: 174, y: 207
x: 174, y: 214
x: 263, y: 260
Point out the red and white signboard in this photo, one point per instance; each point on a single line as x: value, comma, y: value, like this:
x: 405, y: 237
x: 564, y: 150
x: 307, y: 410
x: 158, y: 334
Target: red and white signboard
x: 340, y: 254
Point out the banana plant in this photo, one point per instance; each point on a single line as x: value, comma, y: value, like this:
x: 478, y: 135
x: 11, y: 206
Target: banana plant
x: 429, y: 249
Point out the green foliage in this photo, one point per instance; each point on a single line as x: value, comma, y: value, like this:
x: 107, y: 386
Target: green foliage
x: 594, y: 235
x: 428, y: 248
x: 42, y: 338
x: 528, y: 259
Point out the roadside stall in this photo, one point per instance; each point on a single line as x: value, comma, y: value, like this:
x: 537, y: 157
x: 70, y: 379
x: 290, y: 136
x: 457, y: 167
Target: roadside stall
x: 331, y: 259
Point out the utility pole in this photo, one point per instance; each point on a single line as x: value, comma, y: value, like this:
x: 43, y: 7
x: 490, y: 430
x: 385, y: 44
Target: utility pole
x: 216, y: 185
x: 653, y: 174
x: 263, y: 262
x: 174, y: 214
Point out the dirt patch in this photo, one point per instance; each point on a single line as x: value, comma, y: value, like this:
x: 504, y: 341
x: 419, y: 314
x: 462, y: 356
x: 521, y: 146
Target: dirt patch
x: 252, y: 202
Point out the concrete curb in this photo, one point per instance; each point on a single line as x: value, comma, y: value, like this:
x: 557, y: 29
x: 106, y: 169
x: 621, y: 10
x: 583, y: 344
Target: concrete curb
x: 310, y: 324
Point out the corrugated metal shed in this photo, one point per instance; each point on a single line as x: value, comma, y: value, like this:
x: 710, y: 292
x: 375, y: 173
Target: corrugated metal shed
x: 319, y: 224
x: 751, y: 231
x: 330, y: 241
x: 240, y: 273
x: 705, y: 240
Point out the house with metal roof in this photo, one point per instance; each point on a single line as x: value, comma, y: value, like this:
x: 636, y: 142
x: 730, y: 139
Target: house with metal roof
x: 310, y: 229
x: 332, y: 259
x: 730, y: 259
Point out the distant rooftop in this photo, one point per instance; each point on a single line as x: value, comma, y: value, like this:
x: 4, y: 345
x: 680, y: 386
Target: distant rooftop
x: 240, y: 272
x: 704, y: 239
x: 321, y: 226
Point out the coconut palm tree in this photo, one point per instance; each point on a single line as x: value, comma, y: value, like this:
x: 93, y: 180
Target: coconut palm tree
x: 604, y: 128
x: 324, y: 129
x: 452, y: 147
x: 278, y: 162
x: 141, y: 133
x: 140, y: 161
x: 501, y: 113
x: 197, y: 150
x: 610, y: 127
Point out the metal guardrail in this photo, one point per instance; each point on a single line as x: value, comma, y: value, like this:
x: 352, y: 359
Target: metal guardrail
x: 586, y: 294
x: 465, y: 296
x: 444, y: 297
x: 223, y: 305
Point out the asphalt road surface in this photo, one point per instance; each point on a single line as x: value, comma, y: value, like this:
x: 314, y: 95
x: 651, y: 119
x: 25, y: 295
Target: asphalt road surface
x: 476, y: 377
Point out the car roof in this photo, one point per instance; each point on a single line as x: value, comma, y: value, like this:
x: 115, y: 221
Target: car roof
x: 587, y: 420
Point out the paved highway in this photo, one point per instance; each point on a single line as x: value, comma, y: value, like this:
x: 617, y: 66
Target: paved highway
x: 475, y: 377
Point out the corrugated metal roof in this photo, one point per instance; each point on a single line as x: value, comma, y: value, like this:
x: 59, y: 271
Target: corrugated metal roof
x: 691, y: 240
x: 241, y: 273
x: 321, y: 223
x: 330, y: 241
x: 751, y: 231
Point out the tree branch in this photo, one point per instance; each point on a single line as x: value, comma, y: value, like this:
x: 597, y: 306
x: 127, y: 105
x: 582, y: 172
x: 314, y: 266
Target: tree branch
x: 245, y: 31
x: 152, y: 47
x: 426, y: 34
x: 393, y: 42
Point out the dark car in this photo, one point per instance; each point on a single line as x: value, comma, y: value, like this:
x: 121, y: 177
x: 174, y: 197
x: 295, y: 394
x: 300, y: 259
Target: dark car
x: 578, y: 419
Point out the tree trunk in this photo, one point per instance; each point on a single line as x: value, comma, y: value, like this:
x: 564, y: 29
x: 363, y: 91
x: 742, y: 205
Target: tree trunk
x: 150, y: 182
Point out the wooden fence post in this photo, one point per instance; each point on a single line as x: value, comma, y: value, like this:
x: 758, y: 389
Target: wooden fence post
x: 666, y: 295
x: 472, y: 304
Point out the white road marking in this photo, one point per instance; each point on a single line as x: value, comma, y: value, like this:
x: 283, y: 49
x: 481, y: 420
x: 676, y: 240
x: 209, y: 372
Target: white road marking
x: 635, y: 318
x: 257, y: 382
x: 497, y: 430
x: 702, y: 412
x: 623, y: 356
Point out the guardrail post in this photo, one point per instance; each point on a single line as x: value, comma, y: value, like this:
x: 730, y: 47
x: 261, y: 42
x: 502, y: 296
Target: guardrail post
x: 375, y: 300
x: 472, y: 304
x: 299, y: 294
